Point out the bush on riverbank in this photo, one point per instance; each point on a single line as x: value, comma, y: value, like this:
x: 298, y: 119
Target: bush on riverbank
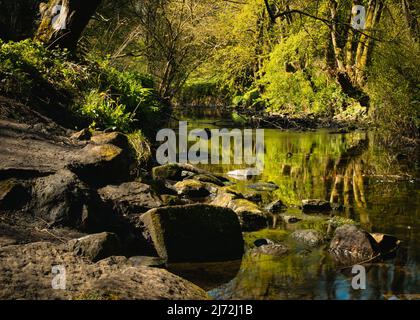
x: 95, y: 93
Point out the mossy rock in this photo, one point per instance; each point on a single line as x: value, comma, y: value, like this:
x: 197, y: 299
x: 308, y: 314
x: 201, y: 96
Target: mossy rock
x: 192, y: 189
x: 194, y: 233
x: 167, y: 171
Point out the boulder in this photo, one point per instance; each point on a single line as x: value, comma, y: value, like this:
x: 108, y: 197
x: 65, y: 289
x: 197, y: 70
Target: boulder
x: 114, y: 138
x: 250, y: 216
x: 194, y: 233
x: 275, y: 206
x: 96, y: 247
x: 26, y: 273
x: 167, y: 172
x: 315, y: 205
x: 192, y: 189
x: 62, y: 199
x: 130, y: 197
x: 310, y: 237
x: 386, y: 243
x: 99, y: 165
x: 352, y: 245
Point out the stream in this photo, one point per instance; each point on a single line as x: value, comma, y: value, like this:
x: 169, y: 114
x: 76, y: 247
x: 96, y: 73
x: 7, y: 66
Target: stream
x: 377, y: 190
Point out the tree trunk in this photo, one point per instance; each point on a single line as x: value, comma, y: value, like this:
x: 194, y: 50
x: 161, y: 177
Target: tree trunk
x: 63, y: 21
x: 366, y: 42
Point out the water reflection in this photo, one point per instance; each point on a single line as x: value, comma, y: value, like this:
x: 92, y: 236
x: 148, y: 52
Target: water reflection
x: 350, y: 169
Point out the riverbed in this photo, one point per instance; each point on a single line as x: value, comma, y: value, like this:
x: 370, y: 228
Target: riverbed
x: 378, y: 190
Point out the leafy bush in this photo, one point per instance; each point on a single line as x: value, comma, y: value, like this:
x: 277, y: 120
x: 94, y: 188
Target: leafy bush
x: 296, y: 81
x: 92, y: 89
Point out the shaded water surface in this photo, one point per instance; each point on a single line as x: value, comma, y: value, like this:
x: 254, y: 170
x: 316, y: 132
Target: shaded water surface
x: 378, y: 190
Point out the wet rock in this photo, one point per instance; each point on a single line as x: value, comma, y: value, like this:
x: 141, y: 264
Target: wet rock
x: 26, y: 273
x: 96, y: 247
x: 130, y: 197
x: 187, y: 174
x: 14, y: 194
x: 100, y: 165
x: 352, y: 245
x: 82, y: 135
x: 250, y: 216
x: 290, y: 219
x: 310, y: 237
x: 315, y: 205
x: 194, y: 233
x: 263, y: 186
x: 244, y: 174
x: 262, y: 242
x: 275, y: 206
x: 277, y: 250
x: 253, y: 197
x: 209, y: 178
x: 386, y: 243
x: 192, y: 189
x: 153, y: 262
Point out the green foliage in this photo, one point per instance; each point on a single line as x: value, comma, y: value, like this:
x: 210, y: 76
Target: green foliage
x: 394, y: 89
x: 296, y: 80
x: 93, y: 89
x: 199, y: 92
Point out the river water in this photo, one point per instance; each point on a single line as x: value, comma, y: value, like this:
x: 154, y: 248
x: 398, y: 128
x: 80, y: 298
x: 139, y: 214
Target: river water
x: 378, y: 190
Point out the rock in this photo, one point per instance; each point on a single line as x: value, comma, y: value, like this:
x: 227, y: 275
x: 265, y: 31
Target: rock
x: 62, y: 199
x: 194, y: 233
x: 253, y: 197
x: 174, y: 172
x: 96, y: 247
x: 144, y: 283
x: 310, y: 237
x: 250, y: 216
x: 316, y: 205
x: 82, y: 135
x: 153, y: 262
x: 167, y: 171
x: 130, y: 197
x: 352, y: 245
x: 386, y: 243
x: 244, y: 174
x: 262, y: 242
x: 290, y: 219
x: 114, y: 138
x: 277, y: 250
x: 187, y: 174
x: 263, y: 186
x: 192, y: 189
x: 209, y: 178
x: 26, y: 273
x: 13, y: 194
x: 99, y: 165
x: 275, y: 206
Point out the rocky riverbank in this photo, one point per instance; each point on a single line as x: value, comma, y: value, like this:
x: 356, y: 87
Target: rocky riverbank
x: 75, y: 200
